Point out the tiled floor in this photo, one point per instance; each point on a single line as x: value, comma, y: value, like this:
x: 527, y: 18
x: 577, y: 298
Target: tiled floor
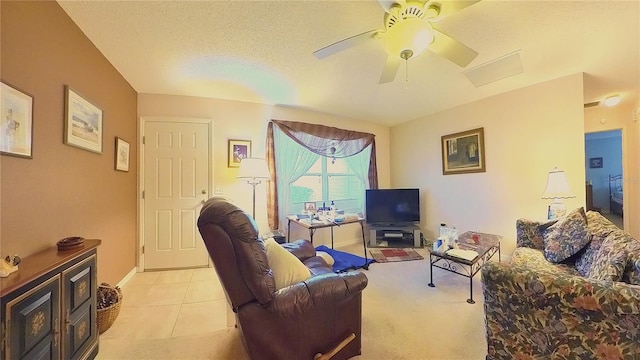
x: 165, y: 304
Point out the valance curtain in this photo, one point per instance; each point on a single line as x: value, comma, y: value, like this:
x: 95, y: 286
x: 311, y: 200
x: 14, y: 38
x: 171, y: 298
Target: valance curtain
x: 319, y: 140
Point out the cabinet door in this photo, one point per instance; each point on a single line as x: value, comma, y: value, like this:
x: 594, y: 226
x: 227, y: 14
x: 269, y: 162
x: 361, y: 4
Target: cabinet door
x: 33, y: 323
x: 80, y: 332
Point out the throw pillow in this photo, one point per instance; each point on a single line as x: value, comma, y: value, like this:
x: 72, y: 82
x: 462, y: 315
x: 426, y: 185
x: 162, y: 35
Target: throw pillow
x: 566, y: 237
x: 610, y: 262
x: 287, y: 269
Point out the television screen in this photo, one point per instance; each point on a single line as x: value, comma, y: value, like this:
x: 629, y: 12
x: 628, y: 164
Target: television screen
x: 392, y: 206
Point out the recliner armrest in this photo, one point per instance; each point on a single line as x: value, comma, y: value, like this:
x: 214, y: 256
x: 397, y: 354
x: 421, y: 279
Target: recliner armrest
x: 317, y: 291
x: 302, y: 249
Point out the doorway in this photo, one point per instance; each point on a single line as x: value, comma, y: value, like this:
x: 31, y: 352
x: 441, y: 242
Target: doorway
x: 176, y: 173
x: 604, y: 174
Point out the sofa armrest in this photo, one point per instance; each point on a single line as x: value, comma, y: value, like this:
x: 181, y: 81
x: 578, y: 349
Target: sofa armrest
x: 545, y: 314
x: 317, y: 291
x: 529, y: 233
x: 302, y: 249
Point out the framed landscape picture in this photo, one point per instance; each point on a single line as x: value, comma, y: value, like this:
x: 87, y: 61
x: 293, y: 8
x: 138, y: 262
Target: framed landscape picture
x: 16, y: 122
x: 463, y: 152
x: 238, y: 150
x: 83, y: 126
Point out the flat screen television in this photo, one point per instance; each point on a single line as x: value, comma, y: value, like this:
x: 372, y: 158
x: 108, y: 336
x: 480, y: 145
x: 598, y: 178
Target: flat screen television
x: 392, y: 206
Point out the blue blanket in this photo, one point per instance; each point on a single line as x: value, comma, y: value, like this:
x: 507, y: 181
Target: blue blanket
x: 345, y: 261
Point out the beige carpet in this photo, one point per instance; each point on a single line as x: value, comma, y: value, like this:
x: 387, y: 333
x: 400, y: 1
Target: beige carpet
x: 402, y: 318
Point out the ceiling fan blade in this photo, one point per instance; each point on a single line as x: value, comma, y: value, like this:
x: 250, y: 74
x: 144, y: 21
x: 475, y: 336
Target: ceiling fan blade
x: 448, y: 8
x: 390, y: 69
x: 452, y: 49
x: 591, y: 104
x: 344, y: 44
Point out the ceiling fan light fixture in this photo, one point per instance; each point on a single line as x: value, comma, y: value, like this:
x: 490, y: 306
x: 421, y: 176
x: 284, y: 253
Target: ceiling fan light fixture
x: 409, y: 34
x: 612, y: 100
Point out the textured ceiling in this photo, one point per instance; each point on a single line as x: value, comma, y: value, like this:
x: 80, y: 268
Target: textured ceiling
x: 261, y: 51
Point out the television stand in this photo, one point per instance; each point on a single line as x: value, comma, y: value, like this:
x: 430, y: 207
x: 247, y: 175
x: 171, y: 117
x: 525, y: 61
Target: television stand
x: 394, y: 235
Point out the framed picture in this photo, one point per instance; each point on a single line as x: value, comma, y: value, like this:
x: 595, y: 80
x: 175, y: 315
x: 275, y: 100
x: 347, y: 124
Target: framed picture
x: 83, y: 122
x: 310, y: 207
x: 595, y: 162
x: 122, y: 155
x: 238, y: 150
x: 16, y: 122
x: 463, y: 152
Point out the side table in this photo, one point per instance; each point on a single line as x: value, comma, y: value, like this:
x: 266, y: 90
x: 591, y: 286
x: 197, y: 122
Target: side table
x: 488, y: 245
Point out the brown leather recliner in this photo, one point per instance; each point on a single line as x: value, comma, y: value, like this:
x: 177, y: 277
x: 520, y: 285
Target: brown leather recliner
x: 301, y: 321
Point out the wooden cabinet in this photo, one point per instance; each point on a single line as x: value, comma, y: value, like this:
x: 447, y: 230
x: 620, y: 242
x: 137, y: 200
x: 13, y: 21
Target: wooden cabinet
x: 48, y: 306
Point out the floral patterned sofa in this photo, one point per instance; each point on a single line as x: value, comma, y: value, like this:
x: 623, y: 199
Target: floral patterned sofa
x: 571, y: 291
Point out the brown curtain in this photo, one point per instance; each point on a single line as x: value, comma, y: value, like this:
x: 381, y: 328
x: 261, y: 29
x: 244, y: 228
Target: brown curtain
x: 322, y: 140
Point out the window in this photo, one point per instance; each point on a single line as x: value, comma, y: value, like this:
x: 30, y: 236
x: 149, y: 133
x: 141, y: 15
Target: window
x: 328, y: 180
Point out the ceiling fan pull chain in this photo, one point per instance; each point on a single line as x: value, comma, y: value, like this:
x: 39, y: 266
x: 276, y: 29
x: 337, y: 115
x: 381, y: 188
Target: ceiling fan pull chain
x: 406, y: 71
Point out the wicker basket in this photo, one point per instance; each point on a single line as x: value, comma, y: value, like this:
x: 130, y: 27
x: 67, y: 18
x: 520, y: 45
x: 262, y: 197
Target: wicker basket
x: 108, y: 315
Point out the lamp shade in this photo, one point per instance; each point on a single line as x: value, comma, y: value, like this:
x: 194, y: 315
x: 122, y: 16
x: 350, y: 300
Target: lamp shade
x: 557, y: 186
x: 253, y: 168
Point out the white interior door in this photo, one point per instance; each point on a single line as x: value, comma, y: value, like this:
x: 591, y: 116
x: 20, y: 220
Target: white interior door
x: 176, y: 183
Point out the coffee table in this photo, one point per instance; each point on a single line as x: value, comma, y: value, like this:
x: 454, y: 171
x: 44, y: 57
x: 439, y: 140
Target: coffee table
x: 488, y: 245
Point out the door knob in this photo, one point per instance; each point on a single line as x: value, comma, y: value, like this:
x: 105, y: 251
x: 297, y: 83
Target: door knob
x: 203, y: 191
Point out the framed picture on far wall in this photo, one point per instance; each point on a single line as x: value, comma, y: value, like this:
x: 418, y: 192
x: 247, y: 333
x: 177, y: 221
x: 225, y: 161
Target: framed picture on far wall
x: 16, y: 122
x: 595, y: 162
x: 238, y: 150
x: 122, y: 155
x: 82, y: 123
x: 463, y: 152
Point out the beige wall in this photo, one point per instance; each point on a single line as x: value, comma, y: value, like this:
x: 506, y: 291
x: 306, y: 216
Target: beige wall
x: 65, y: 191
x: 602, y: 118
x: 527, y: 132
x: 248, y: 121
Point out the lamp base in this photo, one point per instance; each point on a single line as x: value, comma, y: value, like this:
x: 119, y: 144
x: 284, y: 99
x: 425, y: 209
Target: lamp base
x: 556, y: 210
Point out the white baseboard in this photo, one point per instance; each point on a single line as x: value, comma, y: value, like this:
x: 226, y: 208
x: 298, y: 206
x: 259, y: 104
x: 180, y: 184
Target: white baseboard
x: 126, y: 278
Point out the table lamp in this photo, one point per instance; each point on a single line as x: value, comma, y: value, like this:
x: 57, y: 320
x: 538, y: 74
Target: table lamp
x: 557, y: 189
x: 254, y: 170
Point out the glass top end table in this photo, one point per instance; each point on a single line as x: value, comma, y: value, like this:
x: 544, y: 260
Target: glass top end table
x: 486, y: 245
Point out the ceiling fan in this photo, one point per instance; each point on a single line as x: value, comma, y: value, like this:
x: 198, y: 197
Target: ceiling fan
x: 408, y: 31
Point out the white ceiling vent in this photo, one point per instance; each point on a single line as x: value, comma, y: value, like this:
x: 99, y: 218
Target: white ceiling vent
x: 494, y: 70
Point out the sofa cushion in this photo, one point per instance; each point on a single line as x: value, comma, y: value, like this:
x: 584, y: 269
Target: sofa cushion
x: 534, y: 260
x: 286, y: 268
x: 599, y: 227
x: 586, y: 257
x: 566, y: 237
x: 632, y: 272
x: 610, y: 262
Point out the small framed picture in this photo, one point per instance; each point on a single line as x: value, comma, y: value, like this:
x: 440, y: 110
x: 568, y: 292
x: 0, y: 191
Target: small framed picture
x: 238, y: 150
x: 595, y: 162
x: 122, y: 155
x: 16, y: 122
x: 310, y: 207
x: 83, y: 123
